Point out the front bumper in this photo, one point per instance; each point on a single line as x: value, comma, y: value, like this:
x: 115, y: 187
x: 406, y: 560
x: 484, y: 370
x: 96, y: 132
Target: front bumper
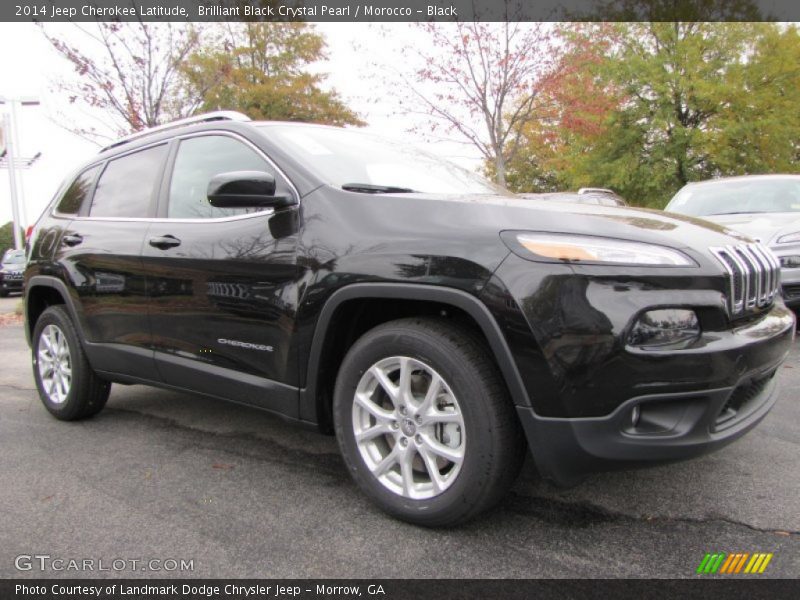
x: 670, y: 428
x: 11, y: 285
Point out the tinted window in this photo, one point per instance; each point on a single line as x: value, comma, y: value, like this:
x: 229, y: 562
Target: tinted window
x: 127, y: 184
x: 77, y: 192
x: 197, y: 161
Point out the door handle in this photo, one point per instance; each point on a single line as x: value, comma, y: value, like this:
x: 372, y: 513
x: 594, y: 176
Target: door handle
x: 73, y: 239
x: 165, y: 242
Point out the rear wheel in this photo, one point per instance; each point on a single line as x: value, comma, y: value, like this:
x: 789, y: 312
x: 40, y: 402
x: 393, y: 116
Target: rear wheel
x: 424, y: 422
x: 67, y: 385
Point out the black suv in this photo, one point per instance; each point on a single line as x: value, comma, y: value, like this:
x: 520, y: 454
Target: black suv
x: 434, y: 322
x: 11, y: 269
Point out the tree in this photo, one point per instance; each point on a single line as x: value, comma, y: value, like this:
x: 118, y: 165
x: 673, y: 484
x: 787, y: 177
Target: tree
x: 575, y: 107
x: 481, y: 83
x: 126, y: 74
x: 262, y: 69
x: 689, y: 101
x: 7, y: 238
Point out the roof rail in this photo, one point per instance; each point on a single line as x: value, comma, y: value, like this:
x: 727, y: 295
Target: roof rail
x: 219, y: 115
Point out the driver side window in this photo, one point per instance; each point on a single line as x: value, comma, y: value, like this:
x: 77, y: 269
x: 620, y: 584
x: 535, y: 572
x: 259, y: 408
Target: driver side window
x: 197, y: 161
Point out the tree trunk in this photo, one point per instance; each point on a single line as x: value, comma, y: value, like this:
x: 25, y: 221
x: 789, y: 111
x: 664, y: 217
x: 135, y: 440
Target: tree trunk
x: 500, y: 169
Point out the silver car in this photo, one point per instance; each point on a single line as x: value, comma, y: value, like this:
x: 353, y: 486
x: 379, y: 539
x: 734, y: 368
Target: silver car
x: 765, y: 208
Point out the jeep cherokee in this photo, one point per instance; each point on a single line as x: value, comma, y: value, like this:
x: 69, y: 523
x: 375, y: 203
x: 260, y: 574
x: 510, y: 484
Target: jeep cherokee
x: 435, y: 323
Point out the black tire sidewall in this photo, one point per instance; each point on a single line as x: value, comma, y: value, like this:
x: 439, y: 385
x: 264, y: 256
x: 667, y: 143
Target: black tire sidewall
x: 468, y: 390
x: 74, y: 403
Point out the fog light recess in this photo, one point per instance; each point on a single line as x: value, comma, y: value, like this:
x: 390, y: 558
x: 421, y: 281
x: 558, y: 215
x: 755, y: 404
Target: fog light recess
x: 665, y: 328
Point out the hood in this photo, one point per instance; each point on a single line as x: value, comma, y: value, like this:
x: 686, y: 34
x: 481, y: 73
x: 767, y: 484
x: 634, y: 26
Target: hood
x: 638, y: 224
x: 762, y: 227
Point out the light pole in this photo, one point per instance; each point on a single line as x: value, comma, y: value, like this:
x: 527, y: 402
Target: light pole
x: 10, y: 131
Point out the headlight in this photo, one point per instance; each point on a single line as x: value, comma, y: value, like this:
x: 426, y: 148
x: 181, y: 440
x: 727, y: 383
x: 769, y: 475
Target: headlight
x: 789, y: 238
x: 590, y: 249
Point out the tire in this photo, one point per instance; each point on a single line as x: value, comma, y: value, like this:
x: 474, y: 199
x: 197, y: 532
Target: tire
x: 432, y: 463
x: 67, y: 397
x: 4, y: 293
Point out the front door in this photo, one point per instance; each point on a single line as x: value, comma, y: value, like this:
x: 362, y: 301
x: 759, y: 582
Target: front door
x: 222, y: 282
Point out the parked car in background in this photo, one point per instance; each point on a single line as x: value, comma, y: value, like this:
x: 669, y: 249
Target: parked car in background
x: 11, y: 272
x: 595, y: 196
x: 766, y: 208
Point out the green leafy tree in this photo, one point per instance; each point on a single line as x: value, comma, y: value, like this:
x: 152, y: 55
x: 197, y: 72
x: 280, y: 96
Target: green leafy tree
x: 7, y: 237
x: 689, y: 101
x: 264, y: 70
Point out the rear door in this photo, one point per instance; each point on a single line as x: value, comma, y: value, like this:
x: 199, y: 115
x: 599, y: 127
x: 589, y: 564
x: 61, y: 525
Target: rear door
x: 100, y: 256
x: 223, y: 289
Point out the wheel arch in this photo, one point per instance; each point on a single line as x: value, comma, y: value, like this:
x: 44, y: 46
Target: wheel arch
x: 42, y: 291
x: 314, y: 404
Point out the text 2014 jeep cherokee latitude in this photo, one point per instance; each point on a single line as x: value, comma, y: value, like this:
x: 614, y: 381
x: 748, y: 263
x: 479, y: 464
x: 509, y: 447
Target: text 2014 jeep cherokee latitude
x: 433, y: 322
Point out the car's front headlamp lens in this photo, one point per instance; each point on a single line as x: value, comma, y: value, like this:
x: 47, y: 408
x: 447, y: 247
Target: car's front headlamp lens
x: 590, y: 249
x: 789, y: 238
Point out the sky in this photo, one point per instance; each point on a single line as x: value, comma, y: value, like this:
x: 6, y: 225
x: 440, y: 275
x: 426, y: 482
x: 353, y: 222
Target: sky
x: 30, y: 67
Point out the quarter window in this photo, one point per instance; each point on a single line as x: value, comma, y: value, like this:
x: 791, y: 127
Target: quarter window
x: 198, y: 160
x: 127, y: 184
x: 77, y: 192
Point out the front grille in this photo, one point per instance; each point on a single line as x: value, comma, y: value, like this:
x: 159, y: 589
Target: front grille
x: 753, y: 276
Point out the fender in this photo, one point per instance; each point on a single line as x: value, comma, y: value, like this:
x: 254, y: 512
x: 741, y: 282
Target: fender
x: 54, y: 283
x: 403, y: 291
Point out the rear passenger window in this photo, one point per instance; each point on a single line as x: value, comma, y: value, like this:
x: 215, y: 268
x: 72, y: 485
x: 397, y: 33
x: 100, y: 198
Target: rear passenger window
x: 77, y: 192
x: 127, y: 184
x: 197, y: 161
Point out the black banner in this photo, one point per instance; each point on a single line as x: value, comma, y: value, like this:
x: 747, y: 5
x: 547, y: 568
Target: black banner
x: 394, y: 589
x: 398, y: 10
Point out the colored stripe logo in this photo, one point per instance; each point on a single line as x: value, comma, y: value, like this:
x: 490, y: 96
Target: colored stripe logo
x: 725, y: 563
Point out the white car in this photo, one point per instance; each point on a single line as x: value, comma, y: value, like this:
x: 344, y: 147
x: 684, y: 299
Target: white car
x: 765, y: 208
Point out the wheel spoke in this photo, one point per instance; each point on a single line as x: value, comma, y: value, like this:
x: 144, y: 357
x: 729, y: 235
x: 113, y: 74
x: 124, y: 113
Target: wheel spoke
x: 433, y: 470
x: 386, y: 383
x: 373, y: 432
x: 404, y: 383
x: 376, y: 411
x: 386, y: 462
x: 407, y: 472
x: 443, y: 417
x: 454, y: 455
x: 434, y: 388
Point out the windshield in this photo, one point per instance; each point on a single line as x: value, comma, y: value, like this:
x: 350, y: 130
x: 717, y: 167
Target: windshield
x: 14, y: 257
x: 361, y: 162
x: 738, y: 196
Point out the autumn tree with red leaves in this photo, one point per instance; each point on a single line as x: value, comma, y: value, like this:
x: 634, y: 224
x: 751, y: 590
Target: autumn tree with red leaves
x: 480, y: 83
x: 126, y: 75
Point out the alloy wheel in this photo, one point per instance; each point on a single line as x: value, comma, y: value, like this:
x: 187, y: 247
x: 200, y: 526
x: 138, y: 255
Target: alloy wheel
x: 408, y: 427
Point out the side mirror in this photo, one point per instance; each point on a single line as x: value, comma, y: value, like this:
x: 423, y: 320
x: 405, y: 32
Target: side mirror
x: 245, y: 189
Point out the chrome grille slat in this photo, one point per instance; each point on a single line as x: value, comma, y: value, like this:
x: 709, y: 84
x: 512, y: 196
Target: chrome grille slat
x: 753, y: 276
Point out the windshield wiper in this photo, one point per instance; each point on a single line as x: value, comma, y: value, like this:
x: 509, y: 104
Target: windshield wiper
x: 368, y: 188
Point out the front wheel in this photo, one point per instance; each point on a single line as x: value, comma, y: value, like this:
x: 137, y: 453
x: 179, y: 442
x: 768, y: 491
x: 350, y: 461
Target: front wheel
x: 67, y: 385
x: 424, y: 422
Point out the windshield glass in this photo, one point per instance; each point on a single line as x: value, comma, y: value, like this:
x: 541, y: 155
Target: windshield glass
x: 14, y: 257
x: 738, y: 196
x: 366, y: 163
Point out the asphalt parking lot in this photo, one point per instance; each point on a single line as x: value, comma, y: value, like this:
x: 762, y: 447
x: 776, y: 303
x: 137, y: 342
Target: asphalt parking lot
x: 165, y: 475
